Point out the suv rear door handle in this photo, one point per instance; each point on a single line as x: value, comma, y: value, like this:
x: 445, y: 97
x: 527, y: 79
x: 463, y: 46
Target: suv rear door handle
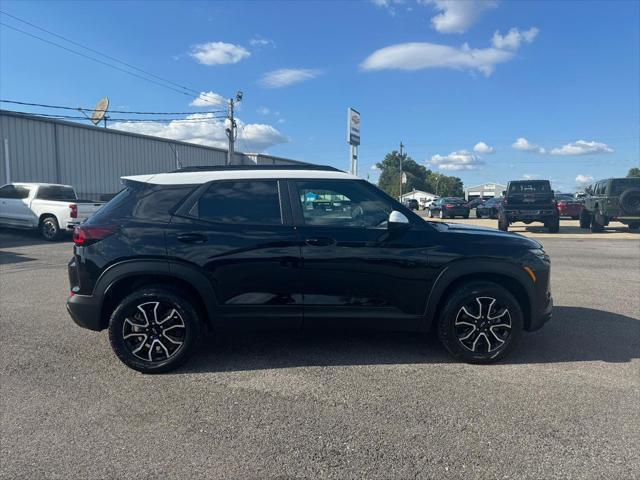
x: 320, y: 241
x: 192, y: 238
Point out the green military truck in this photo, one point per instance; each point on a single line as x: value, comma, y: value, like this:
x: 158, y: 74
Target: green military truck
x: 611, y: 199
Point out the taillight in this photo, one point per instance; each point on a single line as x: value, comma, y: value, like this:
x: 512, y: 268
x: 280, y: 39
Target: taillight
x: 84, y: 235
x: 448, y: 205
x: 74, y: 210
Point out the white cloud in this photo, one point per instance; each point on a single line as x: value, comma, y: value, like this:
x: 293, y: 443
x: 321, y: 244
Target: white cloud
x: 208, y: 99
x: 218, y: 53
x: 458, y: 15
x: 287, y: 76
x: 388, y: 5
x: 529, y: 176
x: 259, y: 41
x: 421, y: 55
x: 582, y: 147
x: 205, y: 129
x: 513, y: 38
x: 264, y: 111
x: 482, y: 147
x: 460, y: 160
x: 583, y: 180
x: 524, y: 145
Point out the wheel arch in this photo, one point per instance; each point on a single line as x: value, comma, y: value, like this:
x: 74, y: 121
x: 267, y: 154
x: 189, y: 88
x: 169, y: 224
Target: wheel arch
x: 122, y: 278
x: 509, y: 276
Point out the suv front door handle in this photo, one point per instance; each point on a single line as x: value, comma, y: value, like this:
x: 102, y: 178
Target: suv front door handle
x: 320, y: 241
x: 192, y: 238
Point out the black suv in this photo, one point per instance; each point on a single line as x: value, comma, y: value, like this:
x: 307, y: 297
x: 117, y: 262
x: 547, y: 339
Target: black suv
x: 529, y: 201
x: 175, y: 254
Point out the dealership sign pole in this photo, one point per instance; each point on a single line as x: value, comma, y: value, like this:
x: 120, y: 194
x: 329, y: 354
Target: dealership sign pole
x: 353, y: 138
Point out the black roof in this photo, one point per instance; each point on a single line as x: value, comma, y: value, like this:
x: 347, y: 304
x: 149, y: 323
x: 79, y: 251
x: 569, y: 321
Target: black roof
x: 206, y: 168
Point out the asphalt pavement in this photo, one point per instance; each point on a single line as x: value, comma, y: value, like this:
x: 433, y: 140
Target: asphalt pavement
x: 566, y: 404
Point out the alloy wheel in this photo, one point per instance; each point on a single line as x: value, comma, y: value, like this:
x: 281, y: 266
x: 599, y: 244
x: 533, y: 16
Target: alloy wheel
x: 49, y: 230
x: 483, y: 325
x: 154, y: 331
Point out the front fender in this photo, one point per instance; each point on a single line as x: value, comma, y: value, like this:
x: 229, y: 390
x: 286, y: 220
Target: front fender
x: 477, y: 269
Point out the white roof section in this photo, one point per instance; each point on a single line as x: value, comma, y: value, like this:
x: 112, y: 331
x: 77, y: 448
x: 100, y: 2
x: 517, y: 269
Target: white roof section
x: 40, y: 184
x: 199, y: 177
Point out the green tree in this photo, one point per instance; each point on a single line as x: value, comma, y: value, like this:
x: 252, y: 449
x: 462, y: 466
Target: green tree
x: 390, y: 174
x: 445, y: 186
x: 634, y: 172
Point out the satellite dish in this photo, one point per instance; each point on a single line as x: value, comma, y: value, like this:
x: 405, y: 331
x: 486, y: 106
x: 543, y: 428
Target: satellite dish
x: 100, y: 111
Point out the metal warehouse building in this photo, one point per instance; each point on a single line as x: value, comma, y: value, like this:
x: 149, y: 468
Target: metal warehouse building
x: 92, y: 159
x: 486, y: 190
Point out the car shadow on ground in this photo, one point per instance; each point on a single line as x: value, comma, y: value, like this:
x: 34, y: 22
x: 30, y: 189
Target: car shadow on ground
x: 575, y: 334
x: 8, y: 258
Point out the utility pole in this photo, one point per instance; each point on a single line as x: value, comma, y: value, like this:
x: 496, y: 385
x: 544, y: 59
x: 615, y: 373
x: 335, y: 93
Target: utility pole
x: 232, y: 130
x: 401, y: 147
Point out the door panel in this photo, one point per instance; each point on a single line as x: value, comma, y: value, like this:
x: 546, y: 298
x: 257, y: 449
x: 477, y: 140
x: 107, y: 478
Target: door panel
x: 358, y: 273
x: 253, y: 268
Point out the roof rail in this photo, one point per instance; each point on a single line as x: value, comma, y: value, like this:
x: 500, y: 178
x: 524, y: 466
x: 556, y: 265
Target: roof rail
x: 219, y: 168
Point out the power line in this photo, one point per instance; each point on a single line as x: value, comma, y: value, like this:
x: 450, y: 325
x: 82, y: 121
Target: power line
x: 200, y: 94
x: 60, y: 107
x: 140, y: 120
x: 108, y: 64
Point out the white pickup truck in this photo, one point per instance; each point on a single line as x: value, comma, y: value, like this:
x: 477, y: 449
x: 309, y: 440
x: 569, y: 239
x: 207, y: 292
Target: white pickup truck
x: 50, y: 208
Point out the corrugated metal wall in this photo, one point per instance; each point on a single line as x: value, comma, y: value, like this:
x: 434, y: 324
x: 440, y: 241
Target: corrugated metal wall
x: 93, y: 159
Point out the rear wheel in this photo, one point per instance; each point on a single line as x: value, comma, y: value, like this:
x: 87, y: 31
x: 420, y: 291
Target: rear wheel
x: 478, y: 214
x: 503, y: 223
x: 442, y: 215
x: 598, y: 223
x: 480, y: 323
x: 553, y: 225
x: 430, y: 214
x: 585, y: 219
x: 49, y: 229
x: 154, y: 330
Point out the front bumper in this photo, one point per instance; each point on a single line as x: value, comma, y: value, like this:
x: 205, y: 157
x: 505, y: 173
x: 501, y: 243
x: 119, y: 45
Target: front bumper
x: 543, y: 315
x: 85, y: 311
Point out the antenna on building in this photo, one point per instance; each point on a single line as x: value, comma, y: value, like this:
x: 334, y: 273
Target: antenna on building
x: 100, y: 112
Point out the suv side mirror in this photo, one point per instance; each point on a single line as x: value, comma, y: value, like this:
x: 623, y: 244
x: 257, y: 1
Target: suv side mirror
x: 397, y: 221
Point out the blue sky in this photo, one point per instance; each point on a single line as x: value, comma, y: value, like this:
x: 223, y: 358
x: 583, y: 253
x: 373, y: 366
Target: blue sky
x: 556, y: 97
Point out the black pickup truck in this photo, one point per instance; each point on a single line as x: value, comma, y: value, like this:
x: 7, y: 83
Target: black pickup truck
x: 529, y: 201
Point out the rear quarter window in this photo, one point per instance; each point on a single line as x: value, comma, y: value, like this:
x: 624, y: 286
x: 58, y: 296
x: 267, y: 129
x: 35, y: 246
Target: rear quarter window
x: 56, y: 193
x: 143, y: 202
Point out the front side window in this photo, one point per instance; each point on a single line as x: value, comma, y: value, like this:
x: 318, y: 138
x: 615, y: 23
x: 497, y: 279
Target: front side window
x: 342, y: 204
x: 240, y: 202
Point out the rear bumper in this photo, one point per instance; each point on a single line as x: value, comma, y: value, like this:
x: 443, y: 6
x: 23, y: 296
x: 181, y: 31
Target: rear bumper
x: 530, y: 214
x: 85, y: 311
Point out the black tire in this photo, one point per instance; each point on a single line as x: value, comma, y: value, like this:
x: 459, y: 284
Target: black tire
x: 430, y: 214
x: 503, y: 223
x: 597, y: 223
x: 553, y: 225
x: 174, y: 307
x: 466, y: 216
x: 482, y: 339
x: 478, y: 214
x: 442, y: 214
x: 585, y: 219
x: 50, y: 229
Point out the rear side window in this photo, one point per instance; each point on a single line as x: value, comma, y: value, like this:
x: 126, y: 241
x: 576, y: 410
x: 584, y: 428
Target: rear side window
x: 143, y: 202
x: 56, y: 193
x: 246, y: 202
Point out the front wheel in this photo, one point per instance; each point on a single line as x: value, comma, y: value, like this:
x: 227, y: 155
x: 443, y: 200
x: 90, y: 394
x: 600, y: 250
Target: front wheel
x: 585, y: 219
x: 597, y: 223
x: 480, y: 323
x: 154, y: 330
x: 554, y: 225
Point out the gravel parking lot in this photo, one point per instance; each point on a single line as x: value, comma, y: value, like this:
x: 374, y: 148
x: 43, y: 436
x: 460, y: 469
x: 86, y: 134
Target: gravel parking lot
x: 566, y: 404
